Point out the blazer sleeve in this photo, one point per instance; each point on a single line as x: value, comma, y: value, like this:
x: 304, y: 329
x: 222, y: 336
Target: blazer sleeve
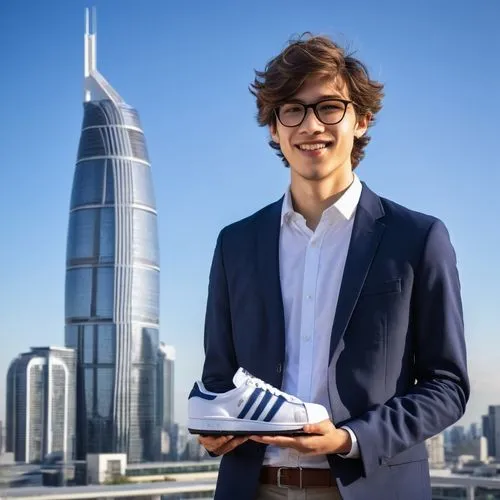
x: 441, y: 391
x: 220, y: 358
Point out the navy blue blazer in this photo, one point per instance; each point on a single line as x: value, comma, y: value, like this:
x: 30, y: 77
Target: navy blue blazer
x: 397, y: 372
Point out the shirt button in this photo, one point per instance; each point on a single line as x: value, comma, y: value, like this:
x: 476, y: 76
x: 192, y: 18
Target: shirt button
x: 313, y: 243
x: 308, y: 297
x: 306, y: 338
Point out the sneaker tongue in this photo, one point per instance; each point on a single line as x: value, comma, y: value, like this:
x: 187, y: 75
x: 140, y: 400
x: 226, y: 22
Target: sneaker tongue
x: 240, y: 377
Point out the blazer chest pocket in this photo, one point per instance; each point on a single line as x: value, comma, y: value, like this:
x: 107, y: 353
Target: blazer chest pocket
x: 384, y: 287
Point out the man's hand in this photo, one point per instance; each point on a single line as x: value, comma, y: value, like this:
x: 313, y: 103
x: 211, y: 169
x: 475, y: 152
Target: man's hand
x: 222, y: 444
x: 327, y: 439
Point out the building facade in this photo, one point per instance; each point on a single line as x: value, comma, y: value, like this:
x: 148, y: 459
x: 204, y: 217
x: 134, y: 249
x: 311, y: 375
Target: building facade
x: 112, y: 275
x: 41, y: 399
x: 166, y: 365
x: 485, y: 429
x: 165, y: 402
x: 435, y: 450
x: 494, y: 431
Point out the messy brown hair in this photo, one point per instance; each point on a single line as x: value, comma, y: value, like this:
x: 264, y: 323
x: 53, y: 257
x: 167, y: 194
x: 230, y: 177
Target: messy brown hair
x: 315, y: 56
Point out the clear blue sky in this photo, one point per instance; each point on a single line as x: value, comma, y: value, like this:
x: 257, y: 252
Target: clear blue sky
x: 186, y: 67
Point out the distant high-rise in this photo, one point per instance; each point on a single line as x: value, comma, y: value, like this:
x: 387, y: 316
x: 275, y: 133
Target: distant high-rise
x: 112, y: 275
x: 457, y: 436
x: 435, y: 450
x: 494, y: 431
x: 485, y: 423
x: 166, y: 364
x: 41, y: 398
x: 474, y: 431
x: 165, y: 402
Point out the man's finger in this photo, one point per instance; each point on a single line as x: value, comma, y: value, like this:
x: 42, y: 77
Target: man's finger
x: 283, y: 441
x: 231, y: 445
x: 320, y: 428
x: 313, y: 429
x: 212, y: 443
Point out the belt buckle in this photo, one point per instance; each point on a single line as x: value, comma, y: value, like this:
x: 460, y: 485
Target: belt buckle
x: 278, y: 479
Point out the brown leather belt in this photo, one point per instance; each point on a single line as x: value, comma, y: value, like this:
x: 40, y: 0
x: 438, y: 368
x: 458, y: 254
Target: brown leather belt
x: 297, y: 476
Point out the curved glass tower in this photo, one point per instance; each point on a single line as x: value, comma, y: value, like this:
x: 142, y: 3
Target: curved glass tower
x: 112, y: 275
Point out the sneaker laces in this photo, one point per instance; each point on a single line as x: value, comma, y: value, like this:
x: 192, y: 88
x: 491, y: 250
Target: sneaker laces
x: 257, y: 382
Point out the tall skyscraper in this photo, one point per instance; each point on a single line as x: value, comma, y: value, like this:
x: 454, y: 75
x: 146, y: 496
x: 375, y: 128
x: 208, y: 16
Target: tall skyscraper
x: 41, y: 398
x: 112, y: 274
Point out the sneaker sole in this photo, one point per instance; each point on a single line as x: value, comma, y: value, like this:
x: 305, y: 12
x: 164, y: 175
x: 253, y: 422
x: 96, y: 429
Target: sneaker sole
x: 222, y: 427
x: 202, y: 432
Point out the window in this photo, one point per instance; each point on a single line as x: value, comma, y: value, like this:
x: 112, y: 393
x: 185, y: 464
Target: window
x: 106, y: 345
x: 88, y: 183
x: 107, y: 235
x: 81, y: 235
x: 110, y: 186
x: 78, y: 293
x: 88, y: 344
x: 145, y: 295
x: 93, y: 115
x: 138, y: 145
x: 145, y: 342
x: 89, y: 391
x: 114, y: 466
x: 91, y: 236
x: 104, y: 392
x: 145, y: 239
x: 104, y: 297
x: 130, y: 117
x: 71, y: 334
x: 91, y: 143
x: 142, y: 184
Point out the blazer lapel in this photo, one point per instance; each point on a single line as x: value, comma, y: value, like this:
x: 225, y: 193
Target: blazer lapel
x: 366, y: 234
x: 268, y: 232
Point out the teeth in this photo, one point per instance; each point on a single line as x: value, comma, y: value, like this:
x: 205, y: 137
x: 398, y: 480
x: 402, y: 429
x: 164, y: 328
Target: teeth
x: 312, y: 147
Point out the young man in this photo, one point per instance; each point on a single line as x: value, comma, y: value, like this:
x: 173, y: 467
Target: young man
x: 337, y: 296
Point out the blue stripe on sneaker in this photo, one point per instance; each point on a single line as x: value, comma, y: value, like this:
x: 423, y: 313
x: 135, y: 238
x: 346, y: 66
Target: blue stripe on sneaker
x: 274, y: 409
x: 196, y: 393
x: 262, y: 405
x: 251, y: 400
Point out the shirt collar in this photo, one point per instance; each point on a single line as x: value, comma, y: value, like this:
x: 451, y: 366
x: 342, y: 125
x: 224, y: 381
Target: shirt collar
x: 345, y: 206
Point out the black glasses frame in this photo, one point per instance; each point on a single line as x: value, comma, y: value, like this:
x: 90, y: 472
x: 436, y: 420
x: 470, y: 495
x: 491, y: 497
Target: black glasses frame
x: 313, y: 106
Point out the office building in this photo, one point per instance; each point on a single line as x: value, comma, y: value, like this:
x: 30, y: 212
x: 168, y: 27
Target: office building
x: 435, y: 450
x: 41, y: 398
x: 166, y: 364
x: 494, y: 431
x: 165, y: 401
x: 485, y: 423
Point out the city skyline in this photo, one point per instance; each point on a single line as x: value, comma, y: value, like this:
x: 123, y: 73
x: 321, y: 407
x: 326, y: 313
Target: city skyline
x: 429, y: 149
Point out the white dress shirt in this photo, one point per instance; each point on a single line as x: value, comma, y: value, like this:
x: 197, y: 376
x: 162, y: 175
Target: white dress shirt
x: 311, y: 265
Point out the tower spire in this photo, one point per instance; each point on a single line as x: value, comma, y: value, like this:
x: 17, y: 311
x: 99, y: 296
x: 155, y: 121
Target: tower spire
x: 90, y: 41
x: 95, y: 85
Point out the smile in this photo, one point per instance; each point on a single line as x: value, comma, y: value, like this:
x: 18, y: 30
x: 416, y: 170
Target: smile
x: 314, y: 147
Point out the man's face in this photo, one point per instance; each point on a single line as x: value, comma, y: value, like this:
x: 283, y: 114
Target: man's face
x: 316, y: 151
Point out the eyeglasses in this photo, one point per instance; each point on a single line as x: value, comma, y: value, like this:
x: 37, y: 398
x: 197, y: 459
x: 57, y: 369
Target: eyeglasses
x: 327, y: 111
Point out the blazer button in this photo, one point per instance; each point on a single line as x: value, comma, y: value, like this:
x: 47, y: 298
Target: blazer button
x: 279, y: 368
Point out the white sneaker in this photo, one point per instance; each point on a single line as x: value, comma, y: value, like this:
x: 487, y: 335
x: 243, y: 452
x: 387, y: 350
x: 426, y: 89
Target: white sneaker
x: 253, y: 407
